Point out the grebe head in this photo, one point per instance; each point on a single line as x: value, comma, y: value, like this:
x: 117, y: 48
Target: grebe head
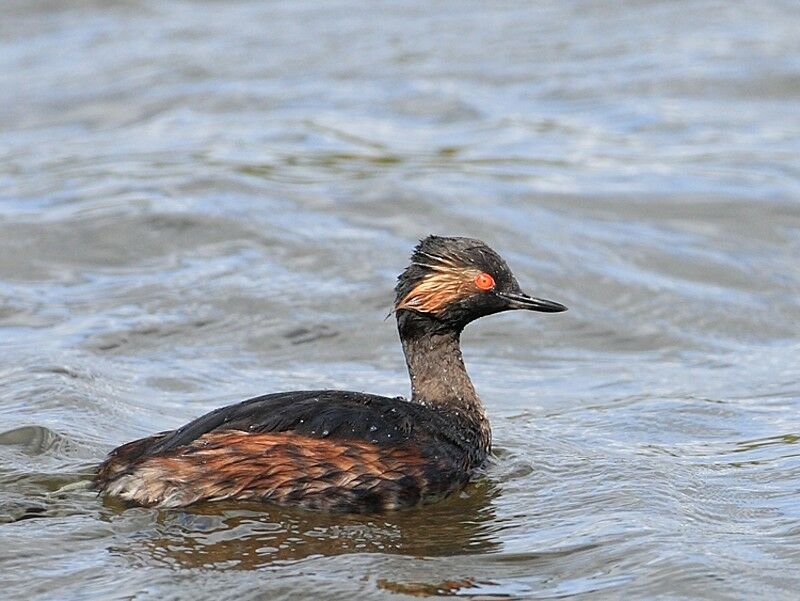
x: 453, y: 281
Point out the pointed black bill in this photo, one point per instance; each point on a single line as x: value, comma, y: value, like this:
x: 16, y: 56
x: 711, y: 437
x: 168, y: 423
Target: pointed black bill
x: 520, y: 300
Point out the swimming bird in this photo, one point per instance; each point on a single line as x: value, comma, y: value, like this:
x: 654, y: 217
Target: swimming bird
x: 347, y: 451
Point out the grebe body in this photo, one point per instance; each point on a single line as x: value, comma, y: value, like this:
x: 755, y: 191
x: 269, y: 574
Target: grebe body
x: 347, y: 451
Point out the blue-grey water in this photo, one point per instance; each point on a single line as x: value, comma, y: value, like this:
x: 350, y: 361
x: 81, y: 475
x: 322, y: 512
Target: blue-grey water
x: 202, y: 201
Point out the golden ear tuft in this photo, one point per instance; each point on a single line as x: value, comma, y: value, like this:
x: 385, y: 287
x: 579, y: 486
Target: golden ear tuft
x: 442, y: 287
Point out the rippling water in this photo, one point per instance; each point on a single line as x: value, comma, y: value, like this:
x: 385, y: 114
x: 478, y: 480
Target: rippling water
x: 203, y: 201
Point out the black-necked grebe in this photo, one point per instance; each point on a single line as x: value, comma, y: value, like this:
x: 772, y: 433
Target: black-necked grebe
x: 347, y: 451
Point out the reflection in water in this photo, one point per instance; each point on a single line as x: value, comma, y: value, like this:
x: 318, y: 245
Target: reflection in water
x: 446, y: 588
x: 780, y: 439
x: 249, y: 536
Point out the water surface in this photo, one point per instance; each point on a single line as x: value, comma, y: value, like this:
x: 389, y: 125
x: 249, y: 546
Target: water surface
x: 204, y: 201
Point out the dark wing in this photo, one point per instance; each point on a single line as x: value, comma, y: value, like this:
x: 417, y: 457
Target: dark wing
x: 314, y: 413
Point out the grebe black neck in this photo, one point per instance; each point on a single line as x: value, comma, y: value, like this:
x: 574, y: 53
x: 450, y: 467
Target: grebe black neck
x: 436, y: 366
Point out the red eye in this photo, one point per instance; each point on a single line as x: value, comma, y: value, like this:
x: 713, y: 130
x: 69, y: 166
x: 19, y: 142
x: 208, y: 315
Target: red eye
x: 484, y: 281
